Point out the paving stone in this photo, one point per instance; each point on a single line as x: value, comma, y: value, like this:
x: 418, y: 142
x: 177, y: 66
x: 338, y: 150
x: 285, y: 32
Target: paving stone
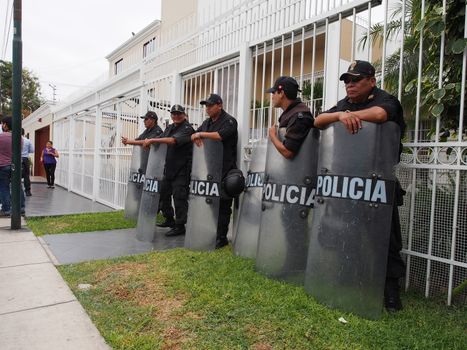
x: 31, y: 286
x: 21, y: 253
x: 57, y: 327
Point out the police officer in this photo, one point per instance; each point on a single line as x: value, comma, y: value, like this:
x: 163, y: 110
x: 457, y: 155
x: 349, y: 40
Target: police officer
x: 364, y: 101
x: 152, y: 130
x: 296, y: 117
x: 177, y: 170
x: 295, y: 123
x: 220, y: 126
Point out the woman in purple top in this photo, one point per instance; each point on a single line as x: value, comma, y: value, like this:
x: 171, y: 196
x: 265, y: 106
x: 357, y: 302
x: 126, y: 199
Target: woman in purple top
x: 48, y: 159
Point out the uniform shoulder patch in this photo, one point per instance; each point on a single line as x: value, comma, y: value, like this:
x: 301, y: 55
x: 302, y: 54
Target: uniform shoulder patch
x: 300, y: 115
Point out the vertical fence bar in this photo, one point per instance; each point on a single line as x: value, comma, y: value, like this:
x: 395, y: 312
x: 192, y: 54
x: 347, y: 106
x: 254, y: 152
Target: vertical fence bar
x: 385, y: 30
x: 270, y: 122
x: 282, y: 56
x: 262, y: 90
x: 228, y: 88
x: 235, y: 92
x: 255, y: 77
x: 459, y: 156
x: 369, y: 59
x: 401, y: 56
x: 339, y: 32
x: 313, y: 60
x: 419, y: 77
x: 117, y: 152
x: 302, y: 59
x: 415, y: 150
x: 326, y: 44
x: 354, y: 20
x: 435, y: 171
x: 292, y: 39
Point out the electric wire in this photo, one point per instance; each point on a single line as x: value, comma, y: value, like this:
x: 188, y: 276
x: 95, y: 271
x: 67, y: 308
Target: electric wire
x: 7, y: 29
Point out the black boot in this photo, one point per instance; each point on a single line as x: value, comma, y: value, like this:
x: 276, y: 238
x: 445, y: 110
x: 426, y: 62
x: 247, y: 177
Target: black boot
x: 178, y: 230
x: 392, y: 299
x: 168, y: 222
x: 221, y: 242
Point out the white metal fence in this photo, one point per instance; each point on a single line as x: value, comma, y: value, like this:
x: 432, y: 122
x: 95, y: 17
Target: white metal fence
x: 239, y: 56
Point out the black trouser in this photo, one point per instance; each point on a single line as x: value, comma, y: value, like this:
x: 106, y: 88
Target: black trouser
x: 177, y: 188
x: 50, y: 173
x: 25, y: 173
x: 225, y: 210
x: 396, y: 266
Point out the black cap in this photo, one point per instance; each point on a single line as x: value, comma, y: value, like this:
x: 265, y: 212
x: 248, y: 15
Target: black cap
x: 287, y: 84
x: 213, y: 99
x: 359, y: 69
x: 177, y: 109
x: 150, y: 114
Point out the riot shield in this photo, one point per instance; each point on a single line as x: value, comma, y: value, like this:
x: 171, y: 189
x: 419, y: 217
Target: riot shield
x: 146, y: 225
x: 246, y: 238
x: 205, y: 189
x: 139, y: 160
x: 288, y: 196
x: 349, y: 239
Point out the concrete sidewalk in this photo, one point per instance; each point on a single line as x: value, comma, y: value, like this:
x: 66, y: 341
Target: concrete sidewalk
x: 37, y: 309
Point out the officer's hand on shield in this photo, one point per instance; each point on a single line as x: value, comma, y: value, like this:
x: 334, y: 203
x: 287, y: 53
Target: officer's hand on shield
x: 351, y: 121
x: 124, y: 140
x: 273, y: 131
x: 196, y: 138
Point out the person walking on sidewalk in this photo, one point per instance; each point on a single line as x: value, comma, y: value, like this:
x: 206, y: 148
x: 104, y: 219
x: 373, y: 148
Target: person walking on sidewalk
x: 25, y: 163
x: 48, y: 159
x: 5, y: 168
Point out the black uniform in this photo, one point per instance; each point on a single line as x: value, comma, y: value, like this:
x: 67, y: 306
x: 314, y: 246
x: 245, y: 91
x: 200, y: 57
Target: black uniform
x: 150, y: 133
x: 393, y: 108
x: 298, y: 120
x: 177, y: 172
x: 226, y: 126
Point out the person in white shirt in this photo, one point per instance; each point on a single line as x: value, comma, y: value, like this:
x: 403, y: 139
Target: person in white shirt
x: 25, y: 163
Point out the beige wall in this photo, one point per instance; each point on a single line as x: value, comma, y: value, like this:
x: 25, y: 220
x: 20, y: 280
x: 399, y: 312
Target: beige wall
x: 174, y: 10
x: 179, y: 18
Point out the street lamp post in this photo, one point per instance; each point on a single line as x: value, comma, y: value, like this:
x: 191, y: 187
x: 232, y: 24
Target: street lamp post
x: 16, y: 104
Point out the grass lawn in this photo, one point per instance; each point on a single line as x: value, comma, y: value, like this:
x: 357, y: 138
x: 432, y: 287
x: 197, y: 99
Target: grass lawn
x: 180, y: 299
x: 48, y: 225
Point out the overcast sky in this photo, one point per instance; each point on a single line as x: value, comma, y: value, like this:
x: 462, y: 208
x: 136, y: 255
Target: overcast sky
x: 65, y: 42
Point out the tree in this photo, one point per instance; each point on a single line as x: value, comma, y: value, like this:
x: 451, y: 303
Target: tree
x: 31, y: 90
x: 435, y: 102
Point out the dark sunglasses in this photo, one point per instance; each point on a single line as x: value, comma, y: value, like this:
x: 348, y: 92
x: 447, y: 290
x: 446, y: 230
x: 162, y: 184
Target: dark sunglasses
x: 348, y: 80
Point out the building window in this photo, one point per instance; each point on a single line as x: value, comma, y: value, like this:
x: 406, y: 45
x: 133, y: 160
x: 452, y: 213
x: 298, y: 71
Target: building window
x: 149, y: 47
x: 118, y: 66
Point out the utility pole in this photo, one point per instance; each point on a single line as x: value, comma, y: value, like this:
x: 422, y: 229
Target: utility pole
x: 54, y: 88
x: 16, y: 104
